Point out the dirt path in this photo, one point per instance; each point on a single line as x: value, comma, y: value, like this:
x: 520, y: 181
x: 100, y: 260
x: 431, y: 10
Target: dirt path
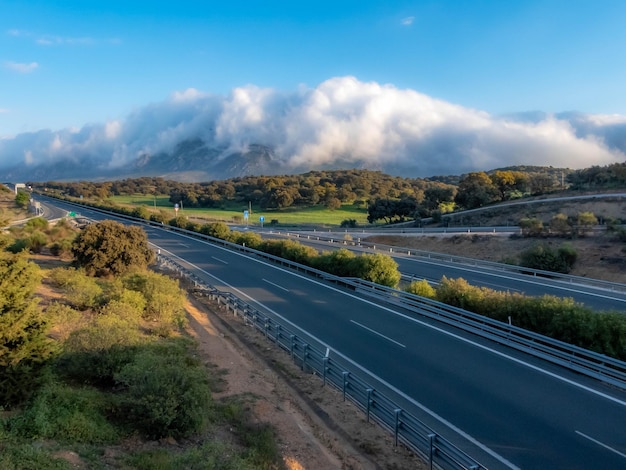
x: 315, y: 427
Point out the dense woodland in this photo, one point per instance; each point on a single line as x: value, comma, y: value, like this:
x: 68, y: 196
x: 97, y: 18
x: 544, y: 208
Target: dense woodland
x: 388, y: 198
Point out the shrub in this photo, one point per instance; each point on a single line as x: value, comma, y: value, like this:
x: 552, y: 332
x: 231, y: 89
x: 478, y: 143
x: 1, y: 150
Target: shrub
x: 80, y: 290
x: 166, y: 392
x: 164, y: 299
x: 349, y: 223
x: 381, y: 269
x: 110, y: 248
x: 545, y: 258
x: 531, y: 227
x: 421, y: 288
x: 66, y: 414
x: 216, y: 229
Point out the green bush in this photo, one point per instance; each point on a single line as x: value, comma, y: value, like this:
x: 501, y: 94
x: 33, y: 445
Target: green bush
x: 381, y: 269
x: 66, y: 414
x: 559, y: 318
x: 95, y: 353
x: 166, y: 392
x: 421, y: 288
x: 545, y: 258
x: 164, y: 299
x: 81, y: 291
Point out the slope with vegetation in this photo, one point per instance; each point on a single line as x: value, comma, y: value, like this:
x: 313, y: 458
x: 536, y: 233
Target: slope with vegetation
x: 107, y: 362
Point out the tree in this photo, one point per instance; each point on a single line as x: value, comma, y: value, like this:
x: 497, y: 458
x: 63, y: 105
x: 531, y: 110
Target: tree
x: 560, y: 225
x: 22, y: 199
x: 476, y: 190
x: 586, y: 221
x: 23, y: 328
x: 110, y: 248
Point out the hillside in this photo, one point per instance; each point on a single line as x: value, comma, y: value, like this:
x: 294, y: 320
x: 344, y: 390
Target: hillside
x: 601, y: 255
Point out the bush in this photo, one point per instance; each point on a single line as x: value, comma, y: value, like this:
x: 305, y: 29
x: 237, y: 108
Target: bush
x: 80, y: 290
x: 110, y: 248
x: 545, y: 258
x: 164, y: 299
x: 67, y: 414
x: 349, y: 223
x: 166, y: 392
x: 421, y: 288
x: 381, y: 269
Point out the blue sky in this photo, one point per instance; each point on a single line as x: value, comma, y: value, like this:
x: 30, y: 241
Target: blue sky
x: 68, y: 63
x: 436, y: 86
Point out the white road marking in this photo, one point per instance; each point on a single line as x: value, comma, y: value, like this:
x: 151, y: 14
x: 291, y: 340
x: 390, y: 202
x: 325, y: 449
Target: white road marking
x: 275, y: 285
x: 528, y: 281
x: 377, y: 333
x: 427, y: 410
x: 220, y: 260
x: 182, y: 244
x: 601, y: 444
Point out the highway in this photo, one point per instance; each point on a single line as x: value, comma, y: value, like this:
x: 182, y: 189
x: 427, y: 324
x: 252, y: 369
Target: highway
x: 505, y: 409
x: 434, y: 270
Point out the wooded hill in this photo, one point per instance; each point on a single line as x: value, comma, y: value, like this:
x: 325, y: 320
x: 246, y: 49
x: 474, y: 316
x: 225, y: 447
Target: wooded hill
x: 387, y: 197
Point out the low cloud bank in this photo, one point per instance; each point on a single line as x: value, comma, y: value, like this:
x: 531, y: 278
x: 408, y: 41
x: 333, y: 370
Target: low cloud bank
x: 343, y: 119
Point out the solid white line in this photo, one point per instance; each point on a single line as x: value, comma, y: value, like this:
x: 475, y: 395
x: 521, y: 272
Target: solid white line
x: 220, y: 260
x: 601, y: 444
x: 561, y: 286
x: 377, y: 333
x: 182, y: 244
x: 275, y: 285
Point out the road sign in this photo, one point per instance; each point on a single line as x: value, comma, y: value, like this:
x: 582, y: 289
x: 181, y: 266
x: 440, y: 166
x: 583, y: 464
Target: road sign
x: 245, y: 215
x: 176, y: 207
x: 262, y: 219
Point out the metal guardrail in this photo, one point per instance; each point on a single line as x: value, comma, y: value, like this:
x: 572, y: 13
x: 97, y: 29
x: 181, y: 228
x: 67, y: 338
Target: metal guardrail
x: 397, y: 250
x: 583, y: 361
x: 435, y: 449
x: 598, y: 366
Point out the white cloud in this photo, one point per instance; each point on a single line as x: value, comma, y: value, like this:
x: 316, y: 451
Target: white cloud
x: 49, y: 40
x: 364, y: 124
x: 408, y: 21
x: 22, y: 67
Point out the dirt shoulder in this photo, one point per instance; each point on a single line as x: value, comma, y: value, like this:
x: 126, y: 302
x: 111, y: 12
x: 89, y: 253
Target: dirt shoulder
x: 600, y: 256
x: 315, y: 427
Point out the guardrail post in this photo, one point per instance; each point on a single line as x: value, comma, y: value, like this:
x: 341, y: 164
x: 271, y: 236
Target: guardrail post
x: 396, y: 427
x: 305, y: 348
x: 369, y: 403
x: 345, y: 384
x: 325, y: 366
x: 431, y: 449
x: 293, y: 343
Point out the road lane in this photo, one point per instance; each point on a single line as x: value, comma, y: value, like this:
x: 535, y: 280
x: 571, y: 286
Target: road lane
x: 528, y: 417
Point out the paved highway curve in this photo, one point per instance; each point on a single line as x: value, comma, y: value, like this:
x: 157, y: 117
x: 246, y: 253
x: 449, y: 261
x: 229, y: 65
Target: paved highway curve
x: 505, y: 409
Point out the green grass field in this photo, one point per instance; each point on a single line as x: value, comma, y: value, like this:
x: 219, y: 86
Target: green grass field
x: 313, y: 215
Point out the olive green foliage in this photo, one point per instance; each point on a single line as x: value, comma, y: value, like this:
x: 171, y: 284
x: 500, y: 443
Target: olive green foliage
x: 111, y: 248
x: 24, y: 455
x: 531, y: 227
x: 79, y: 290
x: 23, y: 328
x: 22, y: 199
x: 216, y: 229
x: 165, y: 391
x: 543, y: 257
x: 558, y: 318
x: 164, y: 299
x: 337, y: 262
x: 66, y: 414
x: 421, y: 288
x: 210, y: 455
x: 381, y: 269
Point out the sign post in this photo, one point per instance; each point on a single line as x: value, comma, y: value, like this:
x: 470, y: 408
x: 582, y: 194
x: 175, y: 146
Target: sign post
x: 262, y: 219
x: 246, y: 215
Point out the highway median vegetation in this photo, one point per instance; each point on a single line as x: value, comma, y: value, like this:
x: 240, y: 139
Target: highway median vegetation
x: 558, y: 318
